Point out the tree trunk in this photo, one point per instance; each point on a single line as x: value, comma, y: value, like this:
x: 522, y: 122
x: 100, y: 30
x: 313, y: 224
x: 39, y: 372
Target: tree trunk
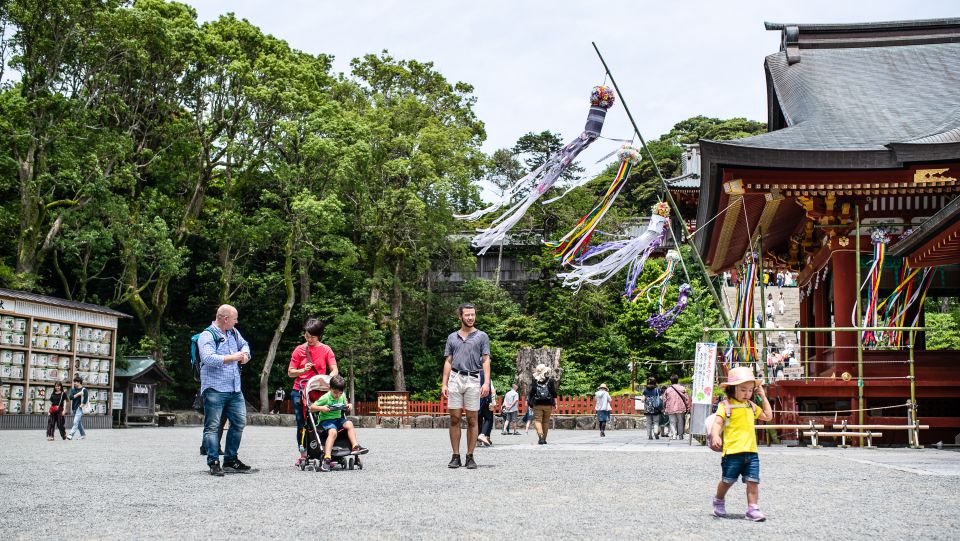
x: 529, y: 358
x: 427, y: 305
x: 31, y: 215
x: 304, y: 282
x: 398, y: 380
x: 496, y: 279
x: 226, y: 272
x: 281, y: 326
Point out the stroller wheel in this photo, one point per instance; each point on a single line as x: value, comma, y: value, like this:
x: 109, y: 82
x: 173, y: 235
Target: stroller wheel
x: 350, y: 462
x: 358, y: 463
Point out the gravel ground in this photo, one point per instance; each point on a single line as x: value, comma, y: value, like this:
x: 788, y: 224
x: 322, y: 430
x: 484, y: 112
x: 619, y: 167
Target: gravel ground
x: 152, y: 483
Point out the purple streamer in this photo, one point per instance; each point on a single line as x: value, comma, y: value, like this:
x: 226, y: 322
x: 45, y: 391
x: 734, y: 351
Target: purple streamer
x: 661, y: 322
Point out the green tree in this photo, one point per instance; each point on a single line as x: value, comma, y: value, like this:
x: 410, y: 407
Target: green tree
x: 424, y: 142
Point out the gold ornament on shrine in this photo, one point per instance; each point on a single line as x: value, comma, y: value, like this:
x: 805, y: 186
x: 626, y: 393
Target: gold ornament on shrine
x: 845, y: 376
x: 844, y: 241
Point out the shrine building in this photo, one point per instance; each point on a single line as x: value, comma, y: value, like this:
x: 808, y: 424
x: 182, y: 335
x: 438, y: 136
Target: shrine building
x: 863, y: 135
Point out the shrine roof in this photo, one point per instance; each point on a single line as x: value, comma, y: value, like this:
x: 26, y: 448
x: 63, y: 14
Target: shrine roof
x: 935, y: 241
x: 847, y: 97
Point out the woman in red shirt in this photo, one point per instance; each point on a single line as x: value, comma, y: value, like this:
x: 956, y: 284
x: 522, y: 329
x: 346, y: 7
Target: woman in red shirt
x: 308, y: 360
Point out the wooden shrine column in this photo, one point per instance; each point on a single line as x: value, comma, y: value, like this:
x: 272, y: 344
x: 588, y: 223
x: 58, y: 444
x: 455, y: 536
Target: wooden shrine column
x: 844, y: 295
x: 821, y: 318
x: 804, y: 352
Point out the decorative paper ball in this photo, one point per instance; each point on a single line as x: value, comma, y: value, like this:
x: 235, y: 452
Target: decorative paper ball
x: 662, y: 209
x: 629, y: 152
x: 673, y: 255
x: 602, y: 96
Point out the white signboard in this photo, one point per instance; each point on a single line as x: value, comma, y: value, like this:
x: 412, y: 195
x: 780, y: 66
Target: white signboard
x: 117, y: 401
x: 705, y: 367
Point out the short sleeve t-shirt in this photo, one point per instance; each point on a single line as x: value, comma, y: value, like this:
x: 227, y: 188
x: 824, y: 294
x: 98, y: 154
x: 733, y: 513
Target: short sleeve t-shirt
x: 467, y: 355
x: 78, y: 396
x: 328, y: 400
x: 739, y: 435
x: 323, y: 362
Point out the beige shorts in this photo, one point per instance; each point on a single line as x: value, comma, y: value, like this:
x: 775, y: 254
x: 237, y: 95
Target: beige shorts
x: 463, y: 392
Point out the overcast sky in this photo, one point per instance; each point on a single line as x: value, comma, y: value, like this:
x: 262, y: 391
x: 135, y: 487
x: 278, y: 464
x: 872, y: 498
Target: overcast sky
x: 532, y: 65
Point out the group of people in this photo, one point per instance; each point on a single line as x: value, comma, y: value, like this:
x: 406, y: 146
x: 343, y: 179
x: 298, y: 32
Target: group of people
x: 466, y: 382
x: 782, y: 278
x: 79, y: 397
x: 666, y: 408
x: 223, y: 351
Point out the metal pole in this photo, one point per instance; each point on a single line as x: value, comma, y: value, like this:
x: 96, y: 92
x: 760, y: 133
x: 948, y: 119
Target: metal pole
x: 859, y: 323
x: 673, y: 205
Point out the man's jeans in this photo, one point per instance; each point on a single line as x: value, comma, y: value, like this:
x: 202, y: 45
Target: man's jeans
x: 78, y: 423
x: 215, y: 405
x: 297, y: 399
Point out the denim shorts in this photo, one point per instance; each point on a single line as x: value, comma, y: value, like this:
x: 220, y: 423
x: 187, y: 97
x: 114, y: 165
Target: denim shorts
x: 603, y: 416
x: 335, y: 424
x: 746, y: 465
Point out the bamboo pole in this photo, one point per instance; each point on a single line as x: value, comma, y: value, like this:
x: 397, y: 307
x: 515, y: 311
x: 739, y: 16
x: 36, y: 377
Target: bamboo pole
x: 820, y: 329
x: 669, y: 198
x: 859, y: 323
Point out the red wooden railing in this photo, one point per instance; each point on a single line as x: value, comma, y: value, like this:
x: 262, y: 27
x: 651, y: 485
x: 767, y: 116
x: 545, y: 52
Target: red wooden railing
x: 566, y: 405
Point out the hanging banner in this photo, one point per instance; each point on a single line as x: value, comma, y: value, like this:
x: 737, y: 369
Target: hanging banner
x: 704, y: 368
x: 703, y: 372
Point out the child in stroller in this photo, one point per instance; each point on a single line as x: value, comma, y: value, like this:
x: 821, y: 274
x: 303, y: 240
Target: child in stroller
x: 330, y: 437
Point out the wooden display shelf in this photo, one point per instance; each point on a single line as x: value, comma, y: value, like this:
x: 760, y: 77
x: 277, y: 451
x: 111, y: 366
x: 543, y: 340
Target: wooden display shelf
x: 93, y: 355
x: 64, y: 353
x: 14, y: 347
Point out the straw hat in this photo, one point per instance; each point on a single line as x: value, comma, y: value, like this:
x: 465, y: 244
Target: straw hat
x: 541, y: 372
x: 738, y: 375
x: 603, y: 386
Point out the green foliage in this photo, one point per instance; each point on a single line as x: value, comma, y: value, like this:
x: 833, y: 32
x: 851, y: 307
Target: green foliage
x: 163, y: 166
x: 945, y: 333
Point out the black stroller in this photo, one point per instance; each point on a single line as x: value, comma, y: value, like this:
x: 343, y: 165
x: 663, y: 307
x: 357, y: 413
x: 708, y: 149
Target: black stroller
x: 314, y: 438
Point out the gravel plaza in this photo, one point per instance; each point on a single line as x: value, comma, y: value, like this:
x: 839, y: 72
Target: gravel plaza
x: 152, y: 483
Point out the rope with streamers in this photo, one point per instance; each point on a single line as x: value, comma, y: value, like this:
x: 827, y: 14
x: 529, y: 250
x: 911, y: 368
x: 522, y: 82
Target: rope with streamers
x: 633, y: 252
x: 880, y: 239
x: 661, y: 322
x: 663, y: 280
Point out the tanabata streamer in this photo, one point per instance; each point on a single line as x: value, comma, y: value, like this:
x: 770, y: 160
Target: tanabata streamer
x: 633, y: 252
x: 744, y: 315
x: 541, y: 179
x: 880, y: 239
x: 661, y: 322
x: 673, y: 257
x: 577, y: 240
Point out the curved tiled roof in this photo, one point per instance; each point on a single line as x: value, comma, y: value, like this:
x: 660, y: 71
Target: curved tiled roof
x: 863, y: 99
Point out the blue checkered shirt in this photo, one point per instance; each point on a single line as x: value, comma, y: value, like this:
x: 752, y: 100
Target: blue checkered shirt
x: 214, y: 373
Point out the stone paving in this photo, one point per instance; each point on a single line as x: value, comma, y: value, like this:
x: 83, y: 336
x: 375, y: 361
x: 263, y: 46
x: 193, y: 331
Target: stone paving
x: 152, y: 483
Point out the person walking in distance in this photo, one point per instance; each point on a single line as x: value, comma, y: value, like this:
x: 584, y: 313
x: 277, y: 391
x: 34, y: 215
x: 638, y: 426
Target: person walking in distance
x: 676, y: 405
x: 57, y: 410
x: 510, y: 408
x: 466, y: 355
x: 222, y: 351
x: 278, y: 400
x: 80, y: 397
x: 603, y: 408
x: 543, y: 396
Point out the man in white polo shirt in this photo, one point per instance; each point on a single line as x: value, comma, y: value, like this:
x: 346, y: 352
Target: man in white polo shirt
x: 467, y: 353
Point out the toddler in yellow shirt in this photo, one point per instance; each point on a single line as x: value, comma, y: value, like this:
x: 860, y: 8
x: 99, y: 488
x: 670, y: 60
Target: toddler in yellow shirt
x: 734, y: 433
